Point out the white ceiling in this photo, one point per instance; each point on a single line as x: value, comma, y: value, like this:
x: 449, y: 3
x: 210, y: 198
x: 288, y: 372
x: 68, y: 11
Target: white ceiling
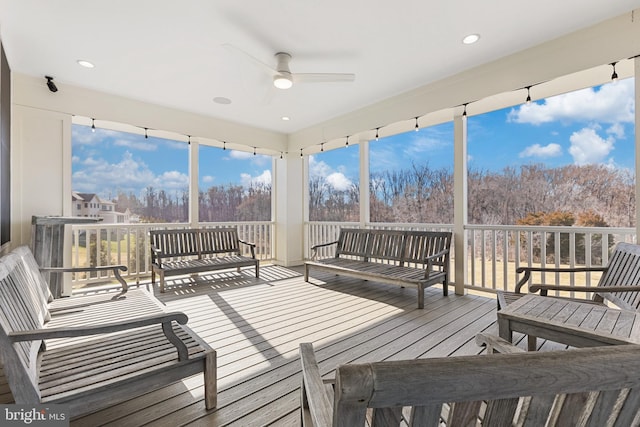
x: 176, y: 53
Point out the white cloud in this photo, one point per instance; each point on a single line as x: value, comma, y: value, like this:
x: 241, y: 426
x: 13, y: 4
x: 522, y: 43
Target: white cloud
x: 256, y: 159
x: 142, y: 145
x: 425, y: 143
x: 128, y: 175
x: 588, y: 147
x: 537, y: 150
x: 318, y: 168
x: 208, y: 179
x: 171, y: 180
x: 617, y: 130
x: 336, y: 179
x: 339, y: 181
x: 264, y: 178
x: 612, y: 103
x: 240, y: 155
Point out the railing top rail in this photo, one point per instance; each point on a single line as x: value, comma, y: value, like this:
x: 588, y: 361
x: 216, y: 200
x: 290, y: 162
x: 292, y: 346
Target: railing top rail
x: 566, y: 229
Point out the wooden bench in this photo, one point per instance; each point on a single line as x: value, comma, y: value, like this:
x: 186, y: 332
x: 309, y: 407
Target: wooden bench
x: 399, y: 257
x: 92, y: 351
x: 556, y: 388
x: 619, y: 283
x: 194, y: 250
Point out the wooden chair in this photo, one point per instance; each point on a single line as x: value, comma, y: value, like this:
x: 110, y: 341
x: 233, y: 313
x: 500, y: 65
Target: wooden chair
x: 561, y: 388
x: 619, y: 283
x: 95, y: 351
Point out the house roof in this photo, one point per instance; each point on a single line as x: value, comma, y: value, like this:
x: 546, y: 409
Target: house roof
x: 185, y: 55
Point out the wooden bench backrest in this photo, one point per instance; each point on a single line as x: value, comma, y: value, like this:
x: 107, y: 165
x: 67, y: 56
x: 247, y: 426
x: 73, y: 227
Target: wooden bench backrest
x: 175, y: 243
x: 558, y: 382
x: 352, y: 242
x: 36, y: 287
x: 623, y: 270
x: 19, y: 310
x: 421, y: 244
x: 195, y: 241
x: 386, y: 245
x: 219, y: 240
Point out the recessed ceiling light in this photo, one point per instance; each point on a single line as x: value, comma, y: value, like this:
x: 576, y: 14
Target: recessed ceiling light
x: 222, y: 100
x: 286, y: 118
x: 471, y: 39
x: 85, y: 64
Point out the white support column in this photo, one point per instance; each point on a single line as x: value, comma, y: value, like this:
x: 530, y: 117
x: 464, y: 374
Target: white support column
x: 365, y: 213
x: 460, y: 205
x: 290, y: 186
x: 636, y: 64
x: 194, y: 213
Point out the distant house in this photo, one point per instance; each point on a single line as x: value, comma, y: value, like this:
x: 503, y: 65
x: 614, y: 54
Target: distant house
x: 92, y: 206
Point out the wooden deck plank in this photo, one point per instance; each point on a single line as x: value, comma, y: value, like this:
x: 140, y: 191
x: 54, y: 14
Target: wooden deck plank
x: 257, y: 324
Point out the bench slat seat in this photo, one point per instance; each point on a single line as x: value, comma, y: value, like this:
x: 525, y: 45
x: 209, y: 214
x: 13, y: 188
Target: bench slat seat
x: 93, y: 351
x: 398, y: 257
x: 196, y: 250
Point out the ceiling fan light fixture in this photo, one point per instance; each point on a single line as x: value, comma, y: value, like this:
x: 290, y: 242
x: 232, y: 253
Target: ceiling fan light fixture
x: 282, y: 81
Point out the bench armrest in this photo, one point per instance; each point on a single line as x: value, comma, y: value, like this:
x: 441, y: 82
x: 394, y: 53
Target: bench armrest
x: 314, y: 397
x: 496, y: 344
x: 163, y: 319
x: 156, y: 255
x: 314, y: 248
x: 115, y: 268
x: 544, y: 288
x: 528, y: 270
x: 252, y: 247
x: 429, y: 259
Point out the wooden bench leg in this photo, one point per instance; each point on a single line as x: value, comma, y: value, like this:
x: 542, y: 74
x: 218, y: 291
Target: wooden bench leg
x: 257, y: 270
x: 532, y: 343
x: 421, y: 296
x: 211, y: 380
x: 161, y: 274
x: 306, y: 272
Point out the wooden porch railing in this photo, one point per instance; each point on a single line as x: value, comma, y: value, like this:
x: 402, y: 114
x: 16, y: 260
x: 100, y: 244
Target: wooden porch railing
x: 128, y: 244
x: 493, y: 251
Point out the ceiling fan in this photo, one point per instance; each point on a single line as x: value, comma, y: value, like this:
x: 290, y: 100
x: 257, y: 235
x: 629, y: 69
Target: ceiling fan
x: 283, y: 78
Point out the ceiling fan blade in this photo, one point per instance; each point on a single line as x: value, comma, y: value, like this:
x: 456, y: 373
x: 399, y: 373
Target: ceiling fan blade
x: 323, y: 77
x: 264, y: 67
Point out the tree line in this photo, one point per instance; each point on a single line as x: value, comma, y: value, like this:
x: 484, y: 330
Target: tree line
x: 220, y: 203
x: 420, y: 194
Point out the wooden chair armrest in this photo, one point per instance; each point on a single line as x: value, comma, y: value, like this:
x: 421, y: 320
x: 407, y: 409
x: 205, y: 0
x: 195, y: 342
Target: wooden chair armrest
x: 528, y: 270
x: 252, y: 247
x: 313, y: 388
x: 156, y: 256
x: 429, y: 262
x: 496, y: 344
x: 544, y: 288
x: 314, y: 248
x: 164, y: 319
x: 437, y: 255
x: 115, y: 268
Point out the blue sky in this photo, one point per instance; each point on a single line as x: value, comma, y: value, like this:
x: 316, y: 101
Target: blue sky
x: 105, y: 162
x: 590, y: 126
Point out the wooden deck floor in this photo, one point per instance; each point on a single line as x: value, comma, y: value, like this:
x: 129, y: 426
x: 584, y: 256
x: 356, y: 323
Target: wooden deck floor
x: 257, y: 324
